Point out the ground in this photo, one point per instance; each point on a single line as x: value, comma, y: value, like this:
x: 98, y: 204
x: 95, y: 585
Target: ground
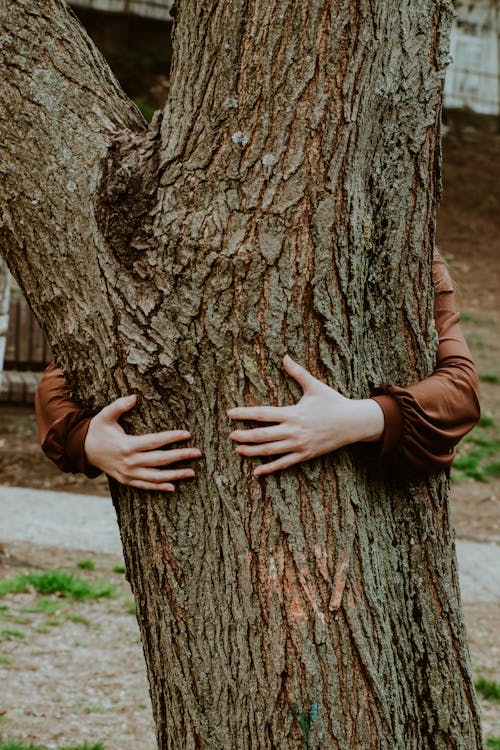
x: 77, y: 673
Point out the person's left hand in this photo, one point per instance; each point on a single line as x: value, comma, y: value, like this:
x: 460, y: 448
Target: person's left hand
x: 322, y: 421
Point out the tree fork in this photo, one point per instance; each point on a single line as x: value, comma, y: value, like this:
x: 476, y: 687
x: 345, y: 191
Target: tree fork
x: 284, y: 201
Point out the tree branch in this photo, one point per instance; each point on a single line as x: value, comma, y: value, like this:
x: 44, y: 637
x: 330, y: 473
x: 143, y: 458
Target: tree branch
x: 60, y: 109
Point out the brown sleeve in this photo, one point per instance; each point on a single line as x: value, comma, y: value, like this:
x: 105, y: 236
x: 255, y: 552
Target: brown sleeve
x: 62, y: 424
x: 425, y: 421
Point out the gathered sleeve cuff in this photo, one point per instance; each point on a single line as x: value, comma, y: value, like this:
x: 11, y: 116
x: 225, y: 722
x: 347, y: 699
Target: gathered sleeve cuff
x: 424, y: 422
x: 62, y: 424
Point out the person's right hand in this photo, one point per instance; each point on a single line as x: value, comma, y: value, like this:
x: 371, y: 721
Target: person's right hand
x: 135, y: 460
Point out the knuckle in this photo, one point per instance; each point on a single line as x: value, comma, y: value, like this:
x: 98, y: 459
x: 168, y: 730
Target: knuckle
x: 127, y: 463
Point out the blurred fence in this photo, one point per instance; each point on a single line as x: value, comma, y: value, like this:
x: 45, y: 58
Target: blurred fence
x: 26, y: 355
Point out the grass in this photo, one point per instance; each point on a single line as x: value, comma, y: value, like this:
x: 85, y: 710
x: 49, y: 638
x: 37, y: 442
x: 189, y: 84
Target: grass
x: 6, y: 660
x: 43, y: 607
x: 86, y: 565
x: 80, y: 619
x: 11, y: 633
x: 131, y: 606
x: 468, y: 317
x: 119, y: 569
x: 493, y: 743
x: 489, y: 377
x: 8, y: 744
x: 485, y: 421
x: 477, y: 454
x: 493, y: 469
x: 488, y: 689
x: 57, y: 582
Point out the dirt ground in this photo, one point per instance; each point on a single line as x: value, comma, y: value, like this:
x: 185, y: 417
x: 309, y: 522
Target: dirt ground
x: 84, y: 679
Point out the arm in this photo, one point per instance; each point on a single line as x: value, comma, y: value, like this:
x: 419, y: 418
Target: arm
x: 62, y: 424
x: 78, y: 442
x: 424, y: 421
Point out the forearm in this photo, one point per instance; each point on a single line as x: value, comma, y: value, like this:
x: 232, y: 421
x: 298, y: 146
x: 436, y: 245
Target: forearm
x: 62, y: 424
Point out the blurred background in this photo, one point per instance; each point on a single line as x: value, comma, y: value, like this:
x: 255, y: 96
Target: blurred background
x: 134, y: 36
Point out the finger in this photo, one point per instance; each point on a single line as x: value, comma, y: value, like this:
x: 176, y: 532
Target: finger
x: 258, y: 413
x: 165, y: 458
x: 167, y: 487
x: 264, y: 449
x: 113, y: 411
x: 281, y: 463
x: 259, y: 435
x: 159, y: 476
x: 154, y: 440
x: 302, y: 376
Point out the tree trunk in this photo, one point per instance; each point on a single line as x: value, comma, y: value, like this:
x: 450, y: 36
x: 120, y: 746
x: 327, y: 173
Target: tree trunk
x: 284, y: 200
x: 4, y: 312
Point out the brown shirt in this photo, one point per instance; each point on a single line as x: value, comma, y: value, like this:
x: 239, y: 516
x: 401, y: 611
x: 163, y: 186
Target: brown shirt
x: 423, y: 422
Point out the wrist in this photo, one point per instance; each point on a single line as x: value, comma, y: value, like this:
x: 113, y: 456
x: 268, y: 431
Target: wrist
x: 371, y: 421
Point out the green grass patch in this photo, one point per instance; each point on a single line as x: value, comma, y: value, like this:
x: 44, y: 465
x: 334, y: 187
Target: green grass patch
x: 131, y: 606
x: 493, y: 743
x: 489, y: 377
x: 6, y: 660
x: 57, y: 582
x: 86, y: 564
x: 493, y: 469
x: 43, y: 607
x: 119, y: 569
x: 477, y: 454
x: 468, y: 317
x: 11, y: 633
x: 488, y: 689
x: 8, y: 744
x: 17, y: 620
x: 485, y: 421
x: 79, y: 618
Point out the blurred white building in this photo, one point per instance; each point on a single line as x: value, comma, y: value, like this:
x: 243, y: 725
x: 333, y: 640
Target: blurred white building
x: 147, y: 8
x: 473, y: 79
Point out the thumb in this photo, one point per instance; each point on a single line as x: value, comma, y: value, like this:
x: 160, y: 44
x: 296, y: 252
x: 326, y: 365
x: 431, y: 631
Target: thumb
x: 115, y: 409
x: 298, y: 373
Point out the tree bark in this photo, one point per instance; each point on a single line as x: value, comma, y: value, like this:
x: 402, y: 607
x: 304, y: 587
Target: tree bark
x: 4, y: 312
x: 284, y: 200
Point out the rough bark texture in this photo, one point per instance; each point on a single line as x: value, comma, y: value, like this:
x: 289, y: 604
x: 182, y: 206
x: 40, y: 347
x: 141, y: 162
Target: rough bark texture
x: 283, y: 201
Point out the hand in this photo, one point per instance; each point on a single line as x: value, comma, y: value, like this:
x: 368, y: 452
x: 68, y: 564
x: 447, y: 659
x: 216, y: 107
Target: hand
x: 322, y: 421
x: 131, y: 459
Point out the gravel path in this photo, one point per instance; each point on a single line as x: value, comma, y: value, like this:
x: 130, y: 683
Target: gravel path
x: 58, y: 519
